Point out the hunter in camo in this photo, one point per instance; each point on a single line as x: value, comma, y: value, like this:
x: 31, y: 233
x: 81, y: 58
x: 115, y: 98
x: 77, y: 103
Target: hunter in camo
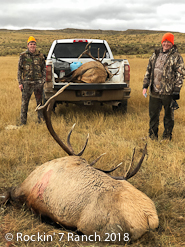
x: 164, y: 81
x: 31, y: 77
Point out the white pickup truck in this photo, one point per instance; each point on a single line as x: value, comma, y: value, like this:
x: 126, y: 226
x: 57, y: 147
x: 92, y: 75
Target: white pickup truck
x: 63, y: 52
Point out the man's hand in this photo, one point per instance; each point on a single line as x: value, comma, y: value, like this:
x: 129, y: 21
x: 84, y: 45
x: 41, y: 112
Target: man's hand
x: 21, y: 87
x: 145, y: 92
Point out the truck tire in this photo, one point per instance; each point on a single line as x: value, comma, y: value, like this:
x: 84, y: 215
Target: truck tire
x: 121, y: 107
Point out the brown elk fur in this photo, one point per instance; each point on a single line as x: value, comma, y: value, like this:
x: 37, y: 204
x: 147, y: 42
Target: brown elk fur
x: 73, y: 193
x: 91, y: 72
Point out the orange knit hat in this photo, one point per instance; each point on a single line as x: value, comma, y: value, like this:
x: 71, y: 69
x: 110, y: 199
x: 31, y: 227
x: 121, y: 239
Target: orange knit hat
x: 31, y: 38
x: 169, y: 37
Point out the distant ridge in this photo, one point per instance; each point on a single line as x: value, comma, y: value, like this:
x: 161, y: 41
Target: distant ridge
x: 140, y: 31
x: 90, y: 31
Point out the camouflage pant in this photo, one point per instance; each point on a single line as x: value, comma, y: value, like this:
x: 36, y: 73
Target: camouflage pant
x: 28, y: 89
x: 155, y: 106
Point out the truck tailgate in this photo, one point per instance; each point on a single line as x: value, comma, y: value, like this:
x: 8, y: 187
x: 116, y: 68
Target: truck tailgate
x: 94, y: 86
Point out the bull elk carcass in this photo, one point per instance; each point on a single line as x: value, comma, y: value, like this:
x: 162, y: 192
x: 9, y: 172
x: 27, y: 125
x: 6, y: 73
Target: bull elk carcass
x: 73, y: 193
x: 90, y: 72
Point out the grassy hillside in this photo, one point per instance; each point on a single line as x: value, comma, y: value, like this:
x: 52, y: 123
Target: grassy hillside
x: 130, y: 42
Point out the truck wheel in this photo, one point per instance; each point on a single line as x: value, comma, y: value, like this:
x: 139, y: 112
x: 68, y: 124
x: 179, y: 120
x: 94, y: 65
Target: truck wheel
x: 121, y: 107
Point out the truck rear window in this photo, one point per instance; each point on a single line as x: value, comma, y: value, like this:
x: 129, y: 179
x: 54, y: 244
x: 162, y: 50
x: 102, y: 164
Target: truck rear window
x: 74, y: 50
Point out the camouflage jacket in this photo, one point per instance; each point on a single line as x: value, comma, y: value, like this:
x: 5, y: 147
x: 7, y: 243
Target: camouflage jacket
x: 171, y: 80
x: 31, y: 67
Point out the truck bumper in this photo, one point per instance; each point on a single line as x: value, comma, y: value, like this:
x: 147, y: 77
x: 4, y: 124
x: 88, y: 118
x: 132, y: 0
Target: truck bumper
x: 76, y: 93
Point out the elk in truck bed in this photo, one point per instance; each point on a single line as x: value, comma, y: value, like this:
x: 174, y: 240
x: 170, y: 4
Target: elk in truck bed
x: 114, y: 91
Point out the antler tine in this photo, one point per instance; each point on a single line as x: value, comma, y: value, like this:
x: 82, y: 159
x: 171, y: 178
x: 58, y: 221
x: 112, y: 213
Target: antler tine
x: 68, y: 139
x: 47, y: 110
x: 112, y: 64
x: 98, y: 53
x: 103, y: 56
x: 111, y: 170
x: 87, y: 46
x: 94, y: 162
x: 83, y: 149
x: 86, y: 50
x: 108, y: 171
x: 128, y: 174
x: 131, y: 164
x: 116, y: 72
x: 82, y: 54
x: 69, y: 143
x: 88, y: 53
x: 110, y: 74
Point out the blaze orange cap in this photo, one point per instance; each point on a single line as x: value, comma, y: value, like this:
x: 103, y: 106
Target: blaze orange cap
x: 169, y: 37
x: 31, y: 38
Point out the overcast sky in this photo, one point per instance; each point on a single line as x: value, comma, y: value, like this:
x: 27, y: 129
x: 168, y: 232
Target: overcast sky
x: 166, y: 15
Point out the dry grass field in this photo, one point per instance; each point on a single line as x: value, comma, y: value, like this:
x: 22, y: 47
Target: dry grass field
x: 161, y: 177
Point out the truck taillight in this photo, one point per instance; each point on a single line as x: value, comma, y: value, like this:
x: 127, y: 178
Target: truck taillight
x: 127, y: 73
x: 48, y: 73
x: 80, y: 40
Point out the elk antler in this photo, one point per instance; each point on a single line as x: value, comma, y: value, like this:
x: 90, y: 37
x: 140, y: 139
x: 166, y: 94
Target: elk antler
x: 130, y: 174
x: 110, y: 74
x: 88, y: 53
x: 47, y: 109
x: 111, y: 170
x: 105, y: 171
x: 92, y: 163
x: 69, y: 144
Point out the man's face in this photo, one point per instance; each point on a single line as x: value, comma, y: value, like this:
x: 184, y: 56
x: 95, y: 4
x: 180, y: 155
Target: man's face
x: 166, y: 45
x: 31, y: 46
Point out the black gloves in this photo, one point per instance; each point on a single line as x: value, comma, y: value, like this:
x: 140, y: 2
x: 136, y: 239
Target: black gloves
x: 176, y: 96
x: 174, y: 105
